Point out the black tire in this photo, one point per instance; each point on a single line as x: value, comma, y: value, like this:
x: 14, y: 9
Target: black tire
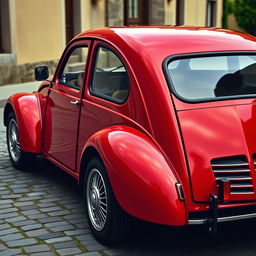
x: 115, y: 227
x: 19, y: 159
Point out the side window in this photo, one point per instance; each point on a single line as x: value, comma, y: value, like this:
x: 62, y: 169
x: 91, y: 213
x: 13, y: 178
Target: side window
x: 73, y: 71
x: 110, y: 78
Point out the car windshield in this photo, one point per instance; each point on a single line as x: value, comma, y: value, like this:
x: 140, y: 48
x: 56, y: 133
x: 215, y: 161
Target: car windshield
x: 211, y: 77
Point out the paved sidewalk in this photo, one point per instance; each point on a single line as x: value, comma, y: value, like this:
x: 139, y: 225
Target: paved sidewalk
x: 7, y: 90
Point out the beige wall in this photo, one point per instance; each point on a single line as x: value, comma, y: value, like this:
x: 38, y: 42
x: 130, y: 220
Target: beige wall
x: 219, y: 13
x: 92, y: 15
x: 38, y: 26
x: 170, y: 13
x: 38, y: 34
x: 195, y: 12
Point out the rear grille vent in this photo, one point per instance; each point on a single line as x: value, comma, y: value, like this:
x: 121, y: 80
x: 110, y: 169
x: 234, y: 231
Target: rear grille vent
x: 237, y: 170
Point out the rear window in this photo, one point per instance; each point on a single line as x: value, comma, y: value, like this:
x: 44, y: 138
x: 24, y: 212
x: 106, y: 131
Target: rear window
x: 212, y: 77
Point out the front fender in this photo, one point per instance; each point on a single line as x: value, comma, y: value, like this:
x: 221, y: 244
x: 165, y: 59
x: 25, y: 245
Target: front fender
x: 27, y: 112
x: 141, y: 179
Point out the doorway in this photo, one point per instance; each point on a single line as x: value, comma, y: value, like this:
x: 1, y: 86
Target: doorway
x: 73, y: 18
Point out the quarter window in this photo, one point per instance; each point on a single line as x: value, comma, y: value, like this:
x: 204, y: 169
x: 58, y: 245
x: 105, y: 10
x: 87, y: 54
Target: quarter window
x: 110, y: 78
x: 73, y: 72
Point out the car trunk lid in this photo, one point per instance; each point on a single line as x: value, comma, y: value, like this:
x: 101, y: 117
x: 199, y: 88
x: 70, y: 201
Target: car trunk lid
x: 220, y: 143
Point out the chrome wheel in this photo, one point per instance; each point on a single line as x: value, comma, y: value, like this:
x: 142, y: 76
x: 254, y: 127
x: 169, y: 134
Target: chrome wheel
x: 96, y: 195
x: 13, y: 140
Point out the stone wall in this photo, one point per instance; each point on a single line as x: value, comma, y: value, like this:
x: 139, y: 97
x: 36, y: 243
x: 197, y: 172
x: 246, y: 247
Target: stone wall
x: 13, y: 73
x: 115, y: 15
x: 156, y: 12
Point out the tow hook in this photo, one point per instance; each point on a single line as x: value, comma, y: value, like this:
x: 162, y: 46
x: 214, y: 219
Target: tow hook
x: 213, y: 215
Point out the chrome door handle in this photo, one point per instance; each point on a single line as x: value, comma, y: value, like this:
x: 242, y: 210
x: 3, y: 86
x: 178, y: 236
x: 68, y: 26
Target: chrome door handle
x: 75, y: 102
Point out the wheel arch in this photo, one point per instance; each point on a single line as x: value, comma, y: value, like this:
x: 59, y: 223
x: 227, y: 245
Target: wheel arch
x: 142, y: 181
x: 7, y: 110
x: 26, y: 109
x: 89, y: 153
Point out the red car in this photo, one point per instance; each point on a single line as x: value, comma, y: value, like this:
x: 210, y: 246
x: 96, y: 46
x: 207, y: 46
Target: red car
x: 154, y: 122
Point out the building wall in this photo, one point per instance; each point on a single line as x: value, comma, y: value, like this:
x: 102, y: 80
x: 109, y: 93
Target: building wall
x: 195, y: 12
x: 156, y: 12
x: 115, y: 15
x: 97, y: 14
x: 38, y: 31
x: 38, y: 27
x: 219, y: 13
x: 170, y: 12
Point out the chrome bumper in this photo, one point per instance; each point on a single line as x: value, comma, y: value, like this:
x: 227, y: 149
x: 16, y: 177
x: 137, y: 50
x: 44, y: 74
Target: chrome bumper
x: 222, y: 219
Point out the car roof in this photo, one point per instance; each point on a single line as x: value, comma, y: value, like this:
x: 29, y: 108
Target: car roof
x: 163, y: 41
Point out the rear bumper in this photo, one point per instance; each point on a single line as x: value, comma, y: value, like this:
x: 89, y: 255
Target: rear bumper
x: 222, y: 219
x: 223, y: 215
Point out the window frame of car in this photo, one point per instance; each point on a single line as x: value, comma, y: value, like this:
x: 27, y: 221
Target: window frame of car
x: 101, y: 44
x: 80, y: 43
x: 171, y: 86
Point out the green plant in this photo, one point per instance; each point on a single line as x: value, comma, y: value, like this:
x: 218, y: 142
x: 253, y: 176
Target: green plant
x: 227, y: 10
x: 245, y: 13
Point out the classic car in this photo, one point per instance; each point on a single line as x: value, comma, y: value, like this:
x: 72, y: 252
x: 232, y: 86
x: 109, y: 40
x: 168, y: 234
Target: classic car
x: 157, y: 123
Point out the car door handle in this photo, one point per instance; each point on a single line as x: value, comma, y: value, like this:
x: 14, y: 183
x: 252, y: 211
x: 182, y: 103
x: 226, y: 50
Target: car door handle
x: 75, y: 102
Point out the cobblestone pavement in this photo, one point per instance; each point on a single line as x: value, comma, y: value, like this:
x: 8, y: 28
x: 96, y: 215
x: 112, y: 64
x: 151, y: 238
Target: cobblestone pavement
x: 41, y: 213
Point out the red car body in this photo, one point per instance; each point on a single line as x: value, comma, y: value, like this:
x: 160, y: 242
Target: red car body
x: 154, y: 140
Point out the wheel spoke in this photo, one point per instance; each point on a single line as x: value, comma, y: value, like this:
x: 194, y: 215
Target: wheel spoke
x: 103, y: 209
x: 101, y: 213
x: 97, y: 199
x: 13, y: 140
x: 102, y: 202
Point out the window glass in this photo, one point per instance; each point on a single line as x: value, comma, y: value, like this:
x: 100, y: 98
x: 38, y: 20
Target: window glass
x: 214, y: 63
x: 73, y: 71
x: 110, y: 77
x: 214, y: 76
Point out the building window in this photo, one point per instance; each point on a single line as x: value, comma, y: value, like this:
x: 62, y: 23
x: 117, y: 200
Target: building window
x: 211, y: 13
x: 180, y: 12
x: 136, y: 12
x: 133, y: 9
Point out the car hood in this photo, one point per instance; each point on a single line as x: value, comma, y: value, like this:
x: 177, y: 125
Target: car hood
x: 220, y: 142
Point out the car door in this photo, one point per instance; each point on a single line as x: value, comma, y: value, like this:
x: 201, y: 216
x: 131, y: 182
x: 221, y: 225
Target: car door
x: 63, y: 105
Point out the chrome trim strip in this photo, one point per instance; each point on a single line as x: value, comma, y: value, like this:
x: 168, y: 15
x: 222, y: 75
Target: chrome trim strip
x: 223, y: 219
x: 241, y: 193
x: 228, y: 164
x: 231, y: 171
x: 241, y: 186
x: 236, y: 178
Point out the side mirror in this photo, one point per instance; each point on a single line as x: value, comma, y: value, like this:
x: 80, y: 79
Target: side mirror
x: 41, y: 73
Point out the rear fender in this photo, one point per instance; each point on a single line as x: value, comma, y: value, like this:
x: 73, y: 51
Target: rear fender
x: 27, y: 112
x: 141, y: 179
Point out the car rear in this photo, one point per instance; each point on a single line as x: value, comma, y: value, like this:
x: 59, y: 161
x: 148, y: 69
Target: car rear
x: 214, y: 97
